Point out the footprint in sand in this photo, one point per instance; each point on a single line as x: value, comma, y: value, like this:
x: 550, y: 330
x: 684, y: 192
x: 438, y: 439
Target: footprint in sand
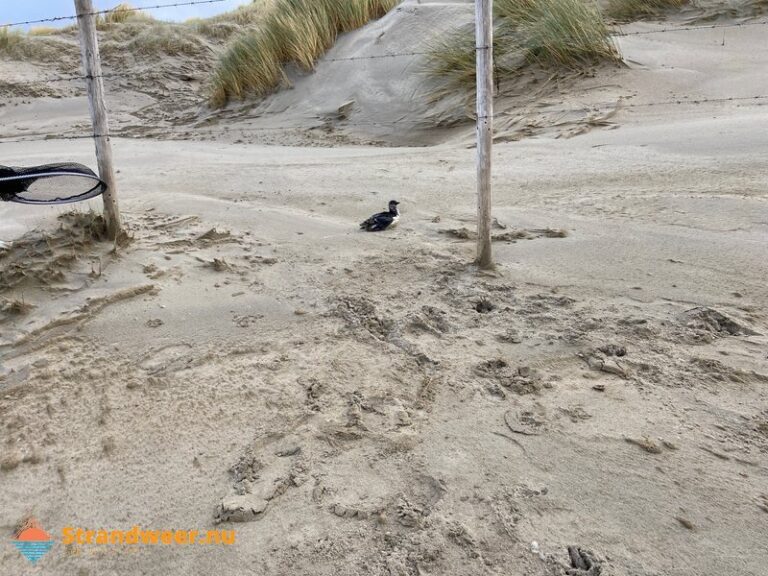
x: 174, y: 356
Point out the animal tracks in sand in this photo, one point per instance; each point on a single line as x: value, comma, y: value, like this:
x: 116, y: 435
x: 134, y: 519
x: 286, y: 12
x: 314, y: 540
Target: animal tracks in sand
x: 259, y: 480
x: 510, y: 236
x: 521, y: 380
x: 413, y: 381
x: 702, y: 320
x: 83, y: 314
x: 170, y: 358
x: 526, y: 422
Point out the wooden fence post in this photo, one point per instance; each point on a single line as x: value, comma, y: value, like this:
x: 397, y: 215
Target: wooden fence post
x: 89, y: 47
x: 484, y: 47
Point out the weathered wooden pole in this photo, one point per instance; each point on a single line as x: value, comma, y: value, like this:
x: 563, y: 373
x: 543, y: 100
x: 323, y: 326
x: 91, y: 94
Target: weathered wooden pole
x: 89, y: 47
x: 484, y: 46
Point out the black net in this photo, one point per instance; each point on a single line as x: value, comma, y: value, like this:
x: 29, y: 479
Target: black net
x: 49, y: 184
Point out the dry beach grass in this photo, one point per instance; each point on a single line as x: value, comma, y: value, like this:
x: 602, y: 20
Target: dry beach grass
x: 630, y: 10
x: 294, y: 31
x: 554, y: 34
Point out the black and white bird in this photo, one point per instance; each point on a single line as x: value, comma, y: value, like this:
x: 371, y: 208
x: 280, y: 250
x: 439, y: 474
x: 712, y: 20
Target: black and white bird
x: 382, y: 220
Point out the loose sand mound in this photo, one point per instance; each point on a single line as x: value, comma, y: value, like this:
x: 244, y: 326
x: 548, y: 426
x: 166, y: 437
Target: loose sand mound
x: 39, y: 260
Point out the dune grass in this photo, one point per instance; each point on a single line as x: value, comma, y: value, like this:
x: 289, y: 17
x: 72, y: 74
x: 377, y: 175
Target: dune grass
x: 9, y: 39
x: 40, y: 48
x: 451, y: 61
x: 569, y: 33
x: 115, y: 19
x: 629, y: 10
x: 126, y: 32
x: 224, y: 26
x: 165, y: 39
x: 294, y: 31
x: 130, y: 31
x: 43, y: 31
x: 564, y: 34
x: 121, y: 14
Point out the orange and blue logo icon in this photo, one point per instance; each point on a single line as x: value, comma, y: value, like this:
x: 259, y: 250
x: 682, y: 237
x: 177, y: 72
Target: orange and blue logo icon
x: 32, y: 541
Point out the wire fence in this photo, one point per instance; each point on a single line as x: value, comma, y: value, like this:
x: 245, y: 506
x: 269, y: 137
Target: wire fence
x: 122, y: 9
x: 326, y: 124
x: 692, y: 28
x: 168, y: 133
x: 386, y: 56
x: 108, y: 76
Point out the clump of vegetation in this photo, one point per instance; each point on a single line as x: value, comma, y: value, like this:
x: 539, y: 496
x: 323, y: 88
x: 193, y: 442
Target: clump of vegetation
x: 15, y: 307
x: 43, y: 31
x: 223, y: 26
x: 294, y: 31
x: 134, y: 32
x: 629, y: 10
x: 121, y: 14
x: 19, y: 46
x: 10, y: 41
x: 570, y: 34
x: 128, y: 31
x: 710, y: 11
x: 452, y: 61
x: 164, y: 39
x: 213, y: 30
x: 83, y: 227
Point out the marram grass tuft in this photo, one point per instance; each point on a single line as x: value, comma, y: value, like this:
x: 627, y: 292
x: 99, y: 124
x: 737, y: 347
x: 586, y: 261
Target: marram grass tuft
x: 294, y: 31
x: 121, y: 14
x: 570, y: 34
x: 629, y: 10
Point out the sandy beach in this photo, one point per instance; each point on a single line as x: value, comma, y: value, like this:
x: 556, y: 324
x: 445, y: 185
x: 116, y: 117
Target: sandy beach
x: 357, y: 403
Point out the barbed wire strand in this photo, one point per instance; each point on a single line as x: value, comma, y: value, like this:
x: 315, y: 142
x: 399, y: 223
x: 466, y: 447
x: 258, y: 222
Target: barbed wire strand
x: 56, y: 79
x: 353, y: 59
x: 691, y: 28
x: 75, y: 78
x: 196, y: 2
x: 117, y: 8
x: 375, y: 56
x: 322, y: 60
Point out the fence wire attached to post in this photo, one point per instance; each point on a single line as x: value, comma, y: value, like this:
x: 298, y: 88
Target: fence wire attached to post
x: 89, y: 46
x: 484, y: 45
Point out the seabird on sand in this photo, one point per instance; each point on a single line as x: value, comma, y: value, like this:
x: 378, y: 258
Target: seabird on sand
x: 382, y: 220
